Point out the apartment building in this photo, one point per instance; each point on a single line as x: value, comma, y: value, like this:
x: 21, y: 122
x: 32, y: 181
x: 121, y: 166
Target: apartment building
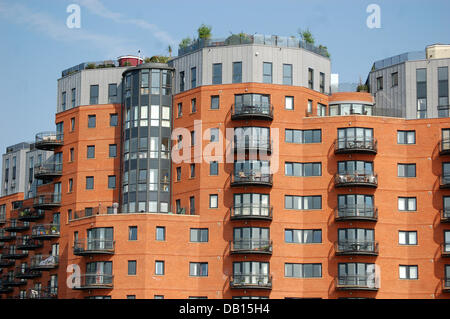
x: 311, y: 195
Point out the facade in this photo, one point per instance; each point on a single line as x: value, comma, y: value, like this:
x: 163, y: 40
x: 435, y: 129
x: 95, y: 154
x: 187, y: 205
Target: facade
x: 231, y: 172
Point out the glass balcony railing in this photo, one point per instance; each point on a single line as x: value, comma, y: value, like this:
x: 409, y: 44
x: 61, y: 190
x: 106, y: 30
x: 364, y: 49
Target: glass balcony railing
x: 354, y: 212
x: 355, y: 145
x: 263, y: 281
x: 251, y: 211
x: 355, y: 179
x: 261, y: 111
x: 48, y: 141
x: 93, y: 246
x: 251, y: 177
x: 251, y: 246
x: 357, y: 282
x: 356, y: 247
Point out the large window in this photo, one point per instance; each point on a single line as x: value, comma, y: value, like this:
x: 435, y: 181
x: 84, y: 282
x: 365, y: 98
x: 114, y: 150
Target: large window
x: 303, y: 136
x: 250, y: 237
x: 287, y: 74
x: 237, y: 72
x: 251, y: 204
x: 355, y: 167
x: 421, y: 90
x: 217, y: 73
x: 350, y: 108
x: 406, y: 137
x: 303, y: 236
x: 93, y: 95
x: 303, y: 169
x: 355, y: 136
x: 302, y: 202
x: 407, y: 237
x: 112, y: 93
x: 443, y: 105
x: 406, y: 170
x: 407, y: 204
x: 267, y: 72
x: 408, y: 272
x: 252, y: 137
x: 199, y: 235
x: 302, y: 270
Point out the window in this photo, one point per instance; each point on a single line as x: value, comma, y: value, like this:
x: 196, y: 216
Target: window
x: 192, y: 170
x: 159, y: 267
x: 421, y: 93
x: 89, y: 182
x: 237, y: 72
x: 394, y: 78
x: 267, y: 72
x: 112, y: 93
x: 112, y: 150
x: 180, y: 110
x: 131, y: 296
x: 70, y: 185
x: 321, y: 109
x: 91, y: 121
x: 407, y: 204
x: 214, y: 102
x: 287, y: 74
x: 214, y: 168
x: 72, y: 154
x: 63, y: 101
x: 311, y: 78
x: 132, y: 232
x: 73, y: 96
x: 289, y: 102
x: 406, y: 170
x: 158, y: 297
x: 355, y: 167
x: 303, y: 136
x: 72, y: 124
x: 217, y: 73
x: 198, y: 269
x: 309, y: 107
x: 407, y: 237
x: 303, y: 270
x: 193, y: 139
x: 302, y: 202
x: 112, y: 182
x: 113, y: 120
x: 193, y: 77
x: 192, y: 205
x: 303, y: 236
x: 194, y: 105
x: 178, y: 173
x: 443, y: 104
x: 408, y: 272
x: 131, y: 267
x: 214, y: 135
x: 322, y: 82
x: 181, y: 81
x: 160, y: 233
x: 406, y: 137
x: 303, y: 169
x: 213, y: 200
x: 199, y: 235
x: 91, y: 151
x: 379, y: 83
x: 93, y: 95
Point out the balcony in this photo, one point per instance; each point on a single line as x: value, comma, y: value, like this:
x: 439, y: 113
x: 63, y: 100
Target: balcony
x: 2, y: 219
x: 251, y: 246
x: 255, y: 111
x: 356, y: 213
x: 15, y: 226
x: 445, y: 215
x: 354, y: 247
x: 47, y: 201
x: 251, y: 211
x: 356, y: 282
x: 251, y: 282
x: 11, y: 281
x: 444, y: 182
x: 49, y: 141
x: 88, y: 247
x: 445, y: 247
x: 96, y: 281
x: 251, y: 178
x: 45, y: 293
x: 27, y: 273
x: 45, y: 231
x: 446, y: 284
x: 28, y: 243
x: 48, y: 171
x: 44, y: 262
x: 4, y: 263
x: 243, y: 147
x: 5, y: 236
x: 444, y: 147
x: 30, y: 215
x: 13, y: 253
x: 355, y: 145
x: 4, y: 289
x: 356, y: 180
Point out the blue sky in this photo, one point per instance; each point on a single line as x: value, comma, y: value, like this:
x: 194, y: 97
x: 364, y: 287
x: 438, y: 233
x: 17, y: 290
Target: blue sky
x: 36, y: 45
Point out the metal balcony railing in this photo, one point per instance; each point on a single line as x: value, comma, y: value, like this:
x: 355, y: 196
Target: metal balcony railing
x: 11, y: 281
x: 355, y: 145
x: 26, y: 273
x: 251, y: 211
x: 45, y: 231
x: 29, y: 214
x: 251, y: 281
x: 357, y: 282
x: 445, y: 249
x: 445, y: 215
x: 96, y: 281
x: 47, y: 201
x: 356, y: 247
x: 444, y: 146
x: 12, y: 252
x: 6, y: 262
x: 6, y: 236
x: 251, y: 177
x: 260, y: 111
x: 28, y: 243
x: 44, y: 262
x: 354, y: 212
x: 93, y: 246
x: 48, y: 141
x: 14, y: 225
x: 48, y: 170
x: 45, y: 293
x: 251, y: 246
x: 445, y: 181
x: 4, y: 289
x: 2, y: 218
x: 355, y: 179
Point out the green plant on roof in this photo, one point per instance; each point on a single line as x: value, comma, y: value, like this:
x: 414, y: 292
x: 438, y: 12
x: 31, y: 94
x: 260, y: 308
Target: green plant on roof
x: 90, y: 66
x: 306, y: 36
x: 204, y: 32
x: 185, y: 43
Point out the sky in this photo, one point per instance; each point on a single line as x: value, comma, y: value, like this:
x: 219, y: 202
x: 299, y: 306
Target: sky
x: 36, y: 44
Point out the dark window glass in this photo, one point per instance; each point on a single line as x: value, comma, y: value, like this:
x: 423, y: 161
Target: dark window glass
x: 91, y: 151
x: 132, y: 233
x: 193, y: 78
x: 237, y: 72
x: 89, y: 182
x: 93, y: 94
x: 92, y: 119
x: 287, y: 74
x: 214, y: 168
x: 214, y: 102
x: 112, y: 150
x: 267, y: 72
x: 112, y: 182
x: 112, y: 93
x: 217, y: 73
x: 113, y: 119
x: 131, y: 267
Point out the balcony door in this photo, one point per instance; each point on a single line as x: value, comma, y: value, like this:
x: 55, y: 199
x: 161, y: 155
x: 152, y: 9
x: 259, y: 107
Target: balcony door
x: 251, y: 272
